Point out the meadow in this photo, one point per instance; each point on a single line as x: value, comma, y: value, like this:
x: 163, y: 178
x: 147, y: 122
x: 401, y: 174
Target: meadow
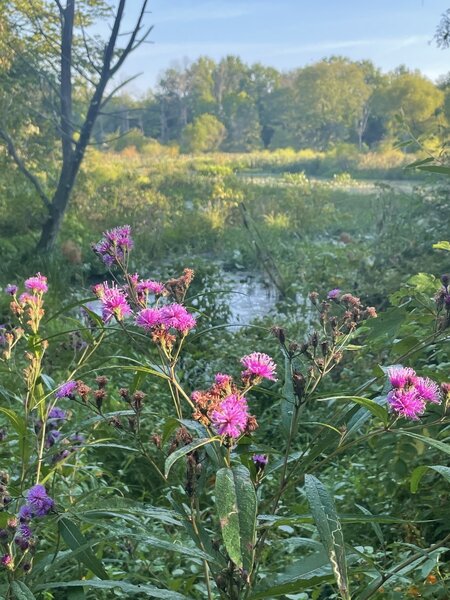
x: 320, y: 243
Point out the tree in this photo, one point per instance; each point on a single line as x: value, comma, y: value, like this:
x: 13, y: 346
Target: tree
x: 204, y: 134
x: 51, y: 43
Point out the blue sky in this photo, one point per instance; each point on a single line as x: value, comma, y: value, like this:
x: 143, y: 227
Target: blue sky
x: 289, y: 33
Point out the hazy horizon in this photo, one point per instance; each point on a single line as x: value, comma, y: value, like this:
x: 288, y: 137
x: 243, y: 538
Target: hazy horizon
x: 289, y: 35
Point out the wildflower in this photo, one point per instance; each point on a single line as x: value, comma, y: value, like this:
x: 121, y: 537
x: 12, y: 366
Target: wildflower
x: 259, y: 366
x: 177, y: 317
x: 57, y: 414
x: 402, y: 376
x: 149, y: 318
x: 231, y: 416
x: 428, y: 390
x: 334, y: 294
x: 52, y: 437
x: 27, y: 298
x: 11, y: 289
x: 7, y: 561
x: 114, y: 304
x: 77, y: 439
x: 406, y: 403
x: 260, y: 461
x: 114, y: 245
x: 37, y: 284
x: 221, y: 379
x: 66, y: 390
x: 148, y: 285
x: 25, y: 513
x: 39, y: 502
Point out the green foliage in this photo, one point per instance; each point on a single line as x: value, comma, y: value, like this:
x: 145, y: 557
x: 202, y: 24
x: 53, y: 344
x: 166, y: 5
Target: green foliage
x: 204, y: 134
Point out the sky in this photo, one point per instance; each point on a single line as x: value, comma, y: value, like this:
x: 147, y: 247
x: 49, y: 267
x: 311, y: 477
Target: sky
x: 287, y: 34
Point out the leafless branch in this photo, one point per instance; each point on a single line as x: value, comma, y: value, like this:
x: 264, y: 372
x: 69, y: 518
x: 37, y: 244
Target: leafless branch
x: 23, y: 169
x: 131, y: 42
x: 117, y: 88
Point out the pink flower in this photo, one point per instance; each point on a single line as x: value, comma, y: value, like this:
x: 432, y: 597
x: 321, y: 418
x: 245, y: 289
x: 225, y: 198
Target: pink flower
x: 114, y: 303
x: 402, y: 376
x: 406, y: 403
x: 66, y: 390
x: 27, y: 298
x: 259, y: 365
x: 37, y: 284
x: 333, y: 294
x: 222, y: 379
x: 149, y: 318
x: 231, y: 416
x: 176, y: 316
x: 148, y: 285
x: 428, y: 390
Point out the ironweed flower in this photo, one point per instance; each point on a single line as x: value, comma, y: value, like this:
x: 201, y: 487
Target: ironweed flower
x: 410, y: 393
x: 114, y: 303
x: 177, y: 317
x: 146, y: 286
x: 114, y: 245
x: 57, y: 414
x: 231, y: 416
x: 406, y: 403
x: 39, y: 501
x: 334, y: 294
x: 259, y: 366
x: 66, y: 390
x: 37, y: 284
x: 260, y: 461
x: 11, y: 289
x: 148, y: 318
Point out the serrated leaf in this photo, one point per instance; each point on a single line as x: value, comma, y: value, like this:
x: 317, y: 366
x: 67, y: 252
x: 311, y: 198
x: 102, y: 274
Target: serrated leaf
x: 303, y: 574
x: 172, y: 458
x: 74, y: 539
x: 419, y: 472
x: 124, y: 586
x: 330, y: 531
x: 21, y: 591
x: 237, y: 508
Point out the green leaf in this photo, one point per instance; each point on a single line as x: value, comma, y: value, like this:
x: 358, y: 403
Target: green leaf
x: 16, y: 421
x: 442, y: 246
x: 172, y: 458
x: 305, y: 573
x: 237, y: 507
x: 288, y: 400
x: 419, y: 163
x: 74, y: 539
x: 371, y: 405
x: 419, y: 472
x: 435, y: 169
x: 330, y: 530
x: 21, y: 591
x: 426, y: 440
x: 124, y: 586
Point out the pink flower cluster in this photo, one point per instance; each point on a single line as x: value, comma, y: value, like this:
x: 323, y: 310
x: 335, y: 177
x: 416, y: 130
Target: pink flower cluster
x: 171, y: 316
x: 37, y: 284
x: 114, y: 245
x: 231, y: 416
x: 410, y: 392
x: 258, y: 366
x: 114, y: 302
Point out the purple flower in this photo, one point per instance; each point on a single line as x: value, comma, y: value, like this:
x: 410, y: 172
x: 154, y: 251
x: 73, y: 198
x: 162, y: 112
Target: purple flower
x: 52, y: 437
x: 334, y: 294
x: 148, y: 285
x: 114, y: 303
x: 149, y: 318
x: 37, y: 284
x: 406, y: 403
x: 259, y: 365
x: 57, y: 414
x: 231, y: 416
x: 114, y: 245
x: 177, y: 317
x: 66, y: 390
x: 222, y: 379
x: 25, y: 513
x: 39, y: 501
x: 11, y: 289
x: 7, y: 561
x: 77, y: 438
x: 428, y: 390
x: 260, y: 460
x: 401, y: 377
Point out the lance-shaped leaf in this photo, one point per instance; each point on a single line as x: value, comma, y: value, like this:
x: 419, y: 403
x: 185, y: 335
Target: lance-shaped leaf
x: 288, y: 400
x: 74, y: 539
x: 327, y: 521
x: 236, y: 506
x: 419, y: 472
x: 172, y: 458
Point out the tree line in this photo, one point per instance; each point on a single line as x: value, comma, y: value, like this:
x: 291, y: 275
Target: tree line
x: 229, y: 105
